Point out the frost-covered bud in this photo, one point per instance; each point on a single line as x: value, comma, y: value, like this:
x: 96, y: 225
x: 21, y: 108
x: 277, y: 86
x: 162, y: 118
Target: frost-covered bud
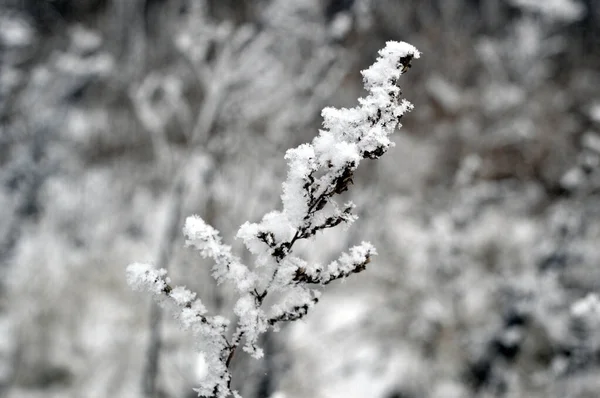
x: 145, y: 277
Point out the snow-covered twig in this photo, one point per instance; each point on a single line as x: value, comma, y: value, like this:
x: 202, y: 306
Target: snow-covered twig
x: 317, y: 173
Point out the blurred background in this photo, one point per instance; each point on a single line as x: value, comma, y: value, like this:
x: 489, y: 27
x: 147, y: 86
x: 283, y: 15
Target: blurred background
x: 119, y: 118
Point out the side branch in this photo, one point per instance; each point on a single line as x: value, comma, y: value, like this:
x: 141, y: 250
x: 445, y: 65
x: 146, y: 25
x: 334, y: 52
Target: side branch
x: 349, y: 263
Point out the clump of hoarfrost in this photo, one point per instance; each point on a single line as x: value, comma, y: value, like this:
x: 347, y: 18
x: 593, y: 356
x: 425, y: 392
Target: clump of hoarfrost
x: 587, y: 307
x: 317, y: 172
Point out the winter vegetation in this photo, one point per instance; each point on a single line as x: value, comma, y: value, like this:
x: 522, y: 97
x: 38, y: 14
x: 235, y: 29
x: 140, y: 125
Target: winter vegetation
x: 317, y: 172
x: 119, y: 119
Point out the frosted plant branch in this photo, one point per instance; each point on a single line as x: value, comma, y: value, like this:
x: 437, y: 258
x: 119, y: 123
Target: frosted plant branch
x: 190, y: 311
x: 317, y: 172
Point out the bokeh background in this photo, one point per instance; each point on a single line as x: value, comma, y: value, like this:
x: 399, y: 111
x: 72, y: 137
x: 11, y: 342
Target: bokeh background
x: 118, y: 118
